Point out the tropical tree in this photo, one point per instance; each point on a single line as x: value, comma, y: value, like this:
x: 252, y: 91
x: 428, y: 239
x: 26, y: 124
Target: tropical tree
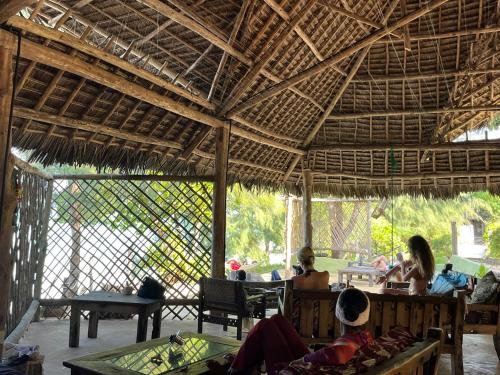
x: 255, y: 223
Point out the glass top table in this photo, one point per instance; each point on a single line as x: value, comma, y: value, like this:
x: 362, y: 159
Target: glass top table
x: 157, y: 357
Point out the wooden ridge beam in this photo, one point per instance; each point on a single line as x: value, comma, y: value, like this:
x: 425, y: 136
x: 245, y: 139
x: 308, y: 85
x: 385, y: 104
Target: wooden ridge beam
x: 35, y: 52
x: 67, y: 122
x: 423, y: 76
x: 9, y: 8
x: 416, y: 112
x: 409, y: 176
x: 329, y: 62
x: 86, y: 48
x: 453, y: 146
x: 266, y: 55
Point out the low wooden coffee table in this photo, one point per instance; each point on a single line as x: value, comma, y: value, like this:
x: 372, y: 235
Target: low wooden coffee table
x: 97, y: 302
x: 152, y: 357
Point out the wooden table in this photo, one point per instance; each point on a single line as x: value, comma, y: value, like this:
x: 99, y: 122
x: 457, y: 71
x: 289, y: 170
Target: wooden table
x: 359, y: 270
x: 137, y: 359
x: 97, y: 302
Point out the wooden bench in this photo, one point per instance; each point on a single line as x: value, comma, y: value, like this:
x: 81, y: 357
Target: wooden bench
x: 313, y: 315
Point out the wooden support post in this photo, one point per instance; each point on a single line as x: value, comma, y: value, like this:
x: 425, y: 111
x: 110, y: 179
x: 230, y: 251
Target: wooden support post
x: 307, y: 206
x: 43, y: 248
x: 454, y: 238
x: 8, y: 204
x: 219, y: 203
x: 289, y: 237
x: 369, y: 228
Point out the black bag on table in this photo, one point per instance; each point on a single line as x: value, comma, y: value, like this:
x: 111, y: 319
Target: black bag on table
x: 151, y: 288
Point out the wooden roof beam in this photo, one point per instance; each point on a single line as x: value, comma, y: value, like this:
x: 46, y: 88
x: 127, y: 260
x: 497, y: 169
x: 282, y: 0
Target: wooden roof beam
x: 493, y: 145
x: 9, y: 8
x: 416, y: 112
x: 423, y: 76
x: 33, y: 51
x: 67, y: 122
x: 122, y: 44
x: 206, y: 32
x: 84, y: 47
x: 298, y: 30
x: 346, y: 52
x: 266, y: 55
x: 445, y: 35
x: 409, y: 176
x: 360, y: 19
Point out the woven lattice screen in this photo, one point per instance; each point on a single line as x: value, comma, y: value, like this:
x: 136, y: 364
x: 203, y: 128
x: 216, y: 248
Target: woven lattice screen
x: 106, y: 234
x: 341, y: 227
x: 27, y: 242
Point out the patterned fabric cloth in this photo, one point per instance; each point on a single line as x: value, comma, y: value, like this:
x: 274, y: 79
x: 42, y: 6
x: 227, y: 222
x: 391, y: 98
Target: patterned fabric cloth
x: 366, y: 356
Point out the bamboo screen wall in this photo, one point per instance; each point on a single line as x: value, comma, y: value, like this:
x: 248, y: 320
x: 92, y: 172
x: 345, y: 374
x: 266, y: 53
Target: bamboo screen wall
x: 341, y: 227
x: 106, y: 234
x: 28, y: 242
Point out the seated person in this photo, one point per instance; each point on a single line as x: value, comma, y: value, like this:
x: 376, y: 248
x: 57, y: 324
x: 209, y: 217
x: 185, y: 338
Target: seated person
x: 419, y: 270
x: 380, y: 263
x: 310, y: 278
x: 276, y: 342
x: 241, y: 275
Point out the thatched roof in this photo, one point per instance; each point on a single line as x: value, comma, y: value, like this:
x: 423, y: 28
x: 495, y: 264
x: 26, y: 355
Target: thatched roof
x: 328, y: 85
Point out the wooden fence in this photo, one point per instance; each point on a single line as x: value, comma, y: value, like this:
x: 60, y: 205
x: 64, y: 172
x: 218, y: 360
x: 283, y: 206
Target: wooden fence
x: 29, y: 240
x: 109, y: 232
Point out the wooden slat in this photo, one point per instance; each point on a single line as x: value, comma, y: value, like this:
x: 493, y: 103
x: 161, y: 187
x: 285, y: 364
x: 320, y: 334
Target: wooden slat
x: 324, y: 309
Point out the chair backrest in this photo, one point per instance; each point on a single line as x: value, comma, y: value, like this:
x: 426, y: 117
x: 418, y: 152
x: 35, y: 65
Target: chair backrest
x: 220, y: 294
x: 312, y: 313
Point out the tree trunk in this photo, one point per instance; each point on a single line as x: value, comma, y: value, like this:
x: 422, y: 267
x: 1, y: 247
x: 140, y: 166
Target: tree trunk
x: 72, y: 282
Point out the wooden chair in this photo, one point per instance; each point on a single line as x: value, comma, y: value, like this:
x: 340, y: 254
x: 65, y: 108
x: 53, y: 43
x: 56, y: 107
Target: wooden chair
x: 222, y: 298
x: 312, y: 313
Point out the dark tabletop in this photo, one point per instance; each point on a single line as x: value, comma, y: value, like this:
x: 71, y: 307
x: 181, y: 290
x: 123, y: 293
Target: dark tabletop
x: 118, y: 298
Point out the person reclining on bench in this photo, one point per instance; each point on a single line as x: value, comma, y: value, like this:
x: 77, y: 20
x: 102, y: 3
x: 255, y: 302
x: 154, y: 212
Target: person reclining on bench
x: 275, y: 341
x: 310, y: 278
x: 419, y: 270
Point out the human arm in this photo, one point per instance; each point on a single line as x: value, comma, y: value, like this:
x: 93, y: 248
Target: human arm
x: 341, y: 351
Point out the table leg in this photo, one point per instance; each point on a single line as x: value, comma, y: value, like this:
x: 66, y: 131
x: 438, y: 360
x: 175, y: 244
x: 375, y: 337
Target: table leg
x: 156, y: 324
x: 142, y: 326
x: 340, y: 277
x: 370, y: 280
x: 74, y: 325
x: 93, y: 323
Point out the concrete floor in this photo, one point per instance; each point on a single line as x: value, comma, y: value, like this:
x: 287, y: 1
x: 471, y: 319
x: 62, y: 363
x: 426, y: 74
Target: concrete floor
x: 52, y: 336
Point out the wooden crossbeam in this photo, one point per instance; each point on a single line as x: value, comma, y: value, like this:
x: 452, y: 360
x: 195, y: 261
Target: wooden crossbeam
x: 408, y: 176
x: 298, y: 30
x: 72, y: 123
x: 262, y: 60
x: 444, y: 35
x: 346, y: 52
x: 423, y: 76
x: 234, y: 33
x: 454, y: 146
x: 206, y: 31
x: 56, y: 59
x: 416, y: 112
x: 9, y: 8
x: 97, y: 53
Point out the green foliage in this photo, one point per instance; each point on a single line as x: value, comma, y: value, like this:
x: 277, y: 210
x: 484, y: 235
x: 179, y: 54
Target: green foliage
x: 492, y: 239
x: 255, y: 224
x: 430, y: 218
